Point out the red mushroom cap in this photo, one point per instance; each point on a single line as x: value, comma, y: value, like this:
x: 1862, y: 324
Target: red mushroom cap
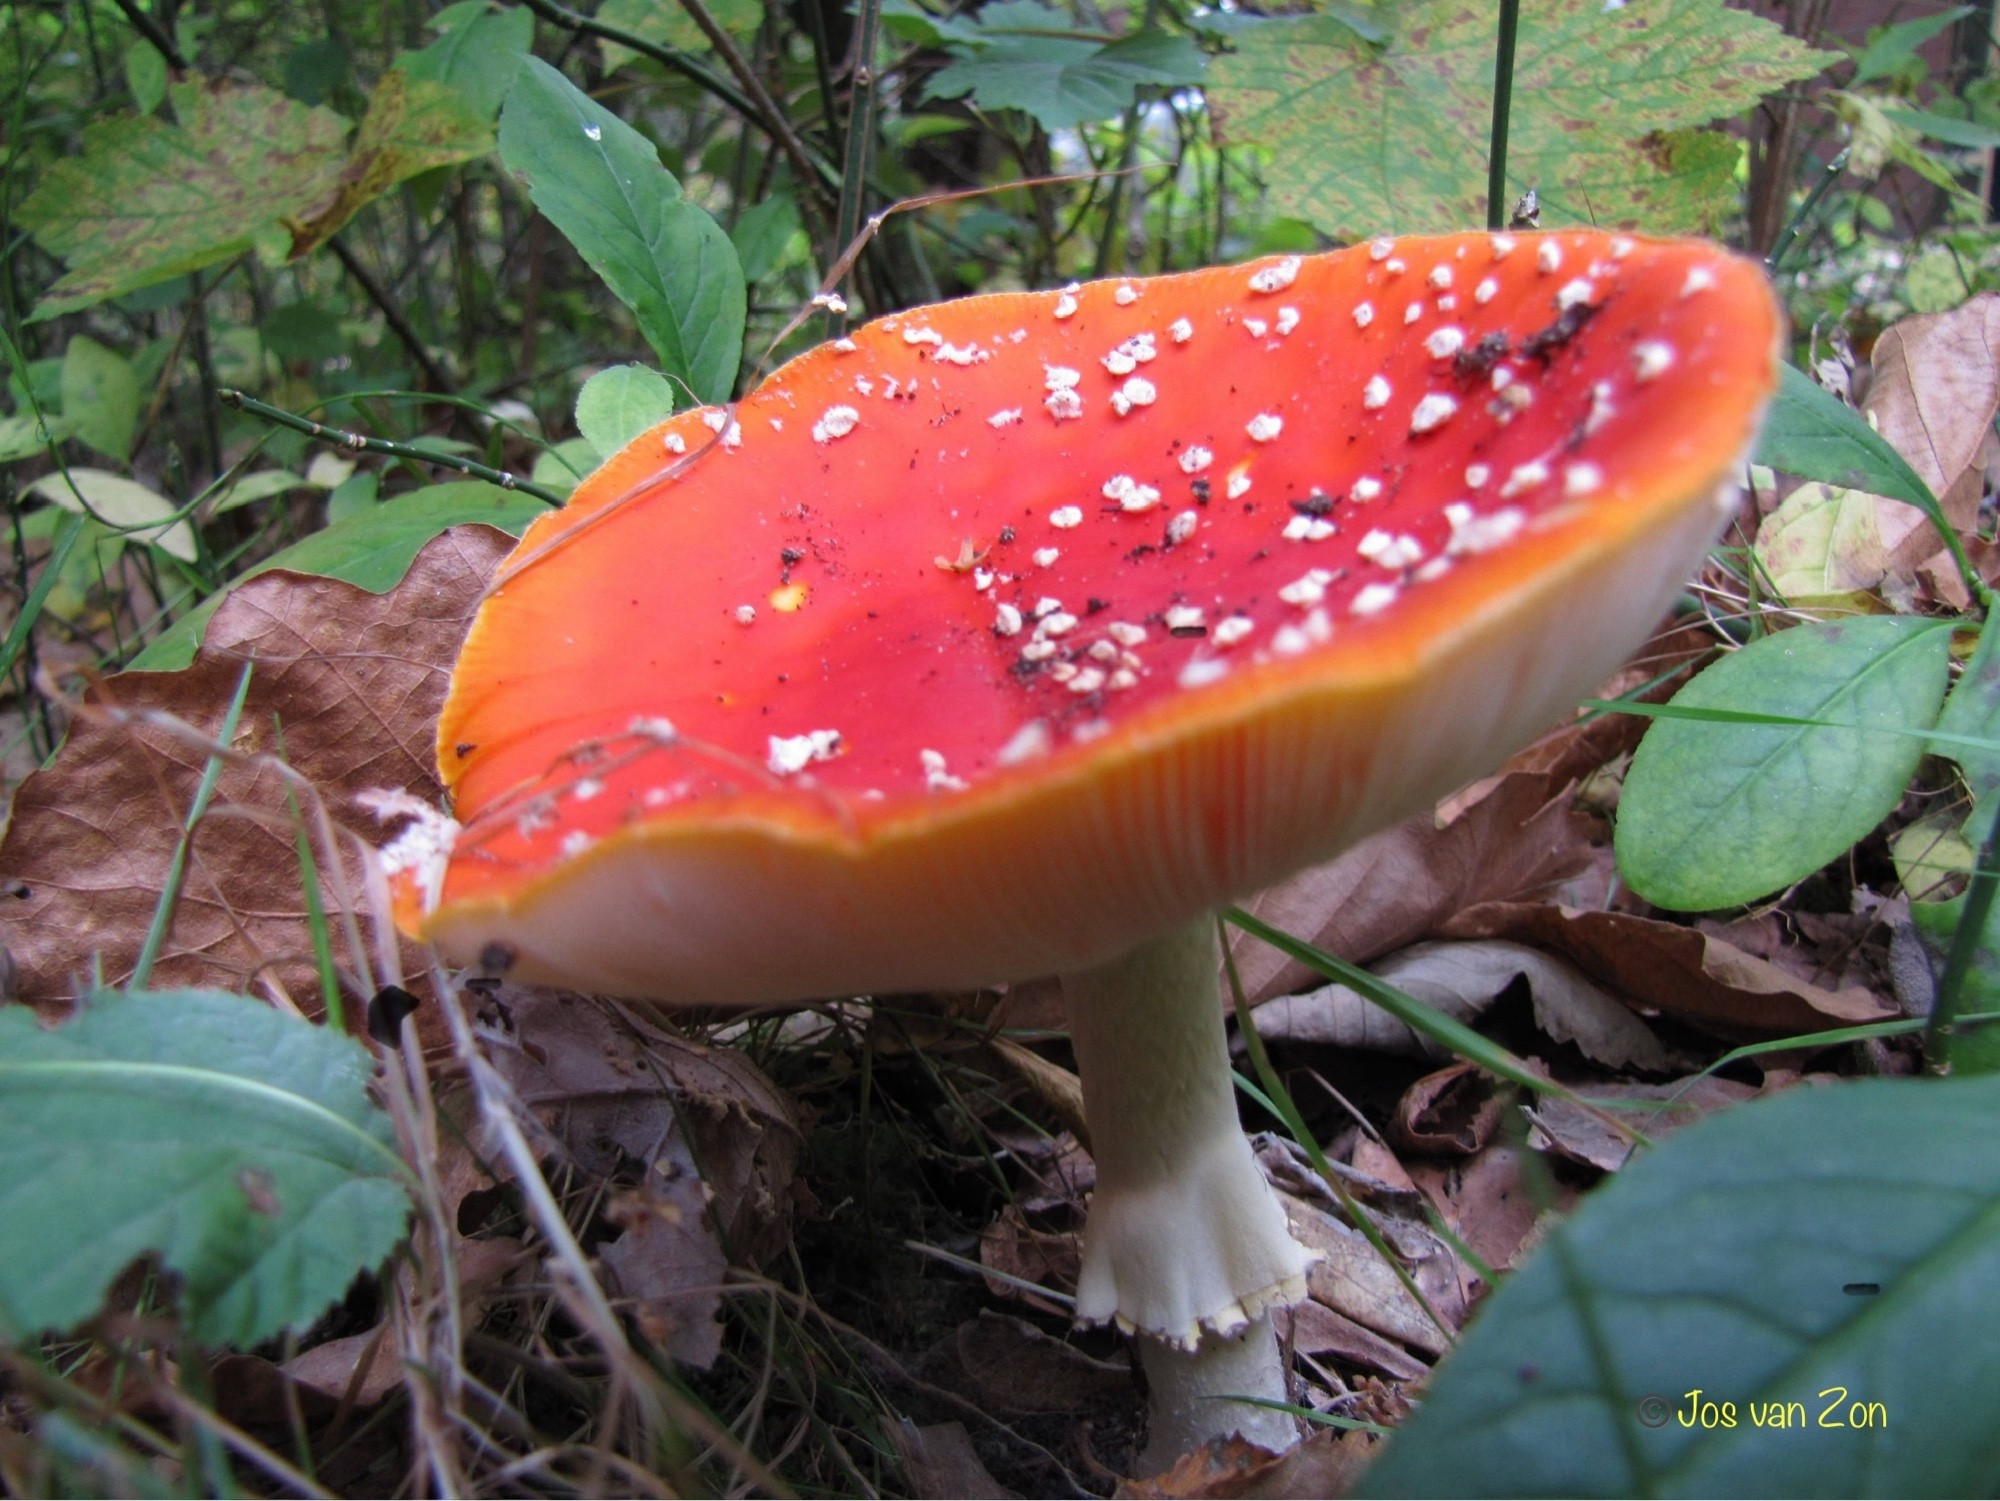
x: 1013, y: 631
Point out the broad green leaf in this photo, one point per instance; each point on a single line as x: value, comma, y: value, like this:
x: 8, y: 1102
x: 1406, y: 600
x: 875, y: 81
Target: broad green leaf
x: 100, y: 396
x: 601, y: 183
x: 301, y: 331
x: 618, y: 404
x: 372, y: 550
x: 1021, y: 59
x: 478, y: 52
x: 145, y: 76
x: 1893, y: 46
x: 122, y: 503
x: 1366, y: 140
x: 563, y: 466
x: 667, y: 21
x: 236, y: 1143
x: 353, y: 495
x: 1713, y: 814
x: 313, y: 71
x: 412, y: 126
x: 147, y: 201
x: 1974, y: 1050
x: 1814, y: 434
x: 1835, y: 1248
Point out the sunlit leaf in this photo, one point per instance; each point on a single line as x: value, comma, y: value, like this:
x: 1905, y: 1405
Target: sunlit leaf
x: 121, y: 503
x: 618, y: 404
x: 1019, y: 57
x: 1368, y: 140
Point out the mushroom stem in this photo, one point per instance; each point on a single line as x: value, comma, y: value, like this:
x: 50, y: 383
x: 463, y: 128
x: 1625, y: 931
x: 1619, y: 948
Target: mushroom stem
x: 1185, y: 1240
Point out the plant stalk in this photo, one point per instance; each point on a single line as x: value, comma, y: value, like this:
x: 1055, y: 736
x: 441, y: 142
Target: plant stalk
x: 1503, y: 101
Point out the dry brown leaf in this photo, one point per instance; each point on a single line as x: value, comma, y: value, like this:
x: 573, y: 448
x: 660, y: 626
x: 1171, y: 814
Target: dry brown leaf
x: 1585, y: 1138
x: 940, y: 1461
x: 1462, y: 980
x: 714, y: 1145
x: 356, y: 681
x: 1016, y: 1249
x: 1935, y: 392
x: 1487, y: 1202
x: 1312, y: 1328
x: 1681, y: 972
x: 1519, y: 840
x: 1451, y: 1113
x: 1325, y: 1465
x: 1352, y: 1279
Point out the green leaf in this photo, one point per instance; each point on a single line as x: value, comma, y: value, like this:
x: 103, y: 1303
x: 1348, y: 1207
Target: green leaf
x: 1973, y: 710
x: 372, y: 550
x: 127, y: 505
x: 1967, y: 133
x: 1366, y: 140
x: 668, y: 22
x: 1025, y: 56
x: 1732, y: 1260
x: 145, y: 76
x: 601, y: 183
x: 147, y: 201
x: 412, y: 126
x: 618, y: 404
x: 1892, y: 46
x: 478, y: 52
x: 1814, y: 434
x: 236, y: 1143
x: 21, y: 435
x: 563, y: 466
x: 766, y: 230
x: 1713, y: 814
x: 100, y: 396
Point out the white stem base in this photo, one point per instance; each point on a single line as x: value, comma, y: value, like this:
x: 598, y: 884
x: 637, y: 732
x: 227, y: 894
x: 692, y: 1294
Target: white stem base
x: 1185, y: 1241
x: 1185, y: 1412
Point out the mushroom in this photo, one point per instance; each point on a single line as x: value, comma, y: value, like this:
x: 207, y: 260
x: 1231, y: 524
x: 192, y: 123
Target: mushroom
x: 1013, y: 636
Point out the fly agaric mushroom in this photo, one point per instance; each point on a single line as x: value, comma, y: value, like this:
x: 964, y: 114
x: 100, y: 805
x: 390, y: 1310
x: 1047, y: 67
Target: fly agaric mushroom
x: 1012, y: 636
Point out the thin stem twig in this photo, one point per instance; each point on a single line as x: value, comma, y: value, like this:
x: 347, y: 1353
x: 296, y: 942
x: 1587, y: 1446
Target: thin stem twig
x: 767, y: 110
x: 361, y: 443
x: 860, y: 138
x: 153, y: 32
x: 377, y: 294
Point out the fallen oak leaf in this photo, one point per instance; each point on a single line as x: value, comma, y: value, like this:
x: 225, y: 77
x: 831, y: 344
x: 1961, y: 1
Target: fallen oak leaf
x: 1680, y: 972
x: 353, y: 680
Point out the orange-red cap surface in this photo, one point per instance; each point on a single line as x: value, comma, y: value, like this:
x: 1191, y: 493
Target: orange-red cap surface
x: 1016, y: 630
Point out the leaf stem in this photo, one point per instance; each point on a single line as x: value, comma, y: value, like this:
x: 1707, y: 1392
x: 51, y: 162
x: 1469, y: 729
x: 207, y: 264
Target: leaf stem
x: 1503, y: 101
x: 360, y: 443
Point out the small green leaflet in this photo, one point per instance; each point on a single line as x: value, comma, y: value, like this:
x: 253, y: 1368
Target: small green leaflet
x: 1605, y: 124
x: 601, y: 183
x: 478, y: 52
x: 618, y: 404
x: 100, y: 396
x: 1716, y: 814
x: 1829, y: 1247
x: 1022, y: 55
x: 371, y: 549
x: 237, y: 1144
